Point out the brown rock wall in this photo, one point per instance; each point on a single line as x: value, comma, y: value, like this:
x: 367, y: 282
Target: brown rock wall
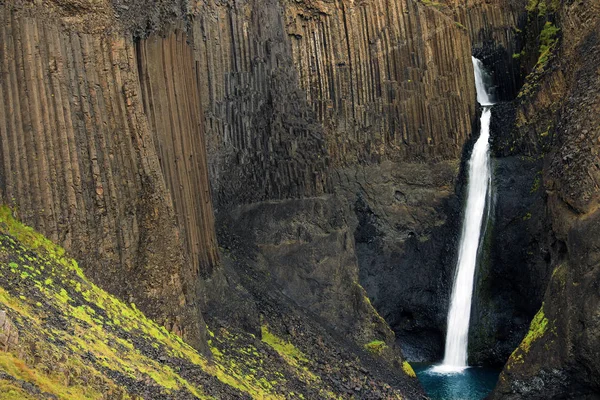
x: 78, y: 162
x: 291, y: 88
x: 171, y: 97
x: 562, y: 104
x: 263, y: 140
x: 389, y: 80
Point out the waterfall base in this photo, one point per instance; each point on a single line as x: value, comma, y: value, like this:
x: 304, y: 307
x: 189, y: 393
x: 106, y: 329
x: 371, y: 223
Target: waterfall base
x: 448, y: 383
x: 447, y: 369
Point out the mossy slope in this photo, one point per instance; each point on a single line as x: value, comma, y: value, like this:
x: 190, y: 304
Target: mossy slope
x: 78, y: 342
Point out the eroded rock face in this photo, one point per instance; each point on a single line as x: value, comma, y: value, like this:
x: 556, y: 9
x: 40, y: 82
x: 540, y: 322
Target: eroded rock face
x: 331, y: 135
x: 306, y: 248
x: 405, y: 217
x: 559, y: 356
x: 513, y: 275
x: 169, y: 80
x: 300, y: 87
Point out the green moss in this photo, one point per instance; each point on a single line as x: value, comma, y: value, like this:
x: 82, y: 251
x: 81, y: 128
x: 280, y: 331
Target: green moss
x: 559, y: 275
x: 18, y: 369
x: 518, y: 56
x: 548, y: 40
x: 407, y: 368
x: 434, y: 4
x: 537, y: 329
x: 376, y: 346
x: 459, y: 25
x: 285, y: 349
x: 72, y: 336
x: 535, y: 186
x: 10, y: 390
x: 542, y: 7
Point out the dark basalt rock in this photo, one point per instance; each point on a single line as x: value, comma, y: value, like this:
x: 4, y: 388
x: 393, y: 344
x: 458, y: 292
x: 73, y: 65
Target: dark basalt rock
x: 514, y: 268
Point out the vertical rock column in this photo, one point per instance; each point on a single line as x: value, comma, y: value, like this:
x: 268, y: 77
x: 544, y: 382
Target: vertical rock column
x: 263, y: 139
x: 171, y: 97
x: 78, y: 163
x: 388, y: 79
x: 291, y: 88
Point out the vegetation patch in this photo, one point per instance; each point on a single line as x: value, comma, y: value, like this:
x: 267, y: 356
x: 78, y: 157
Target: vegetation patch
x: 542, y: 7
x: 548, y: 40
x: 78, y: 342
x: 537, y: 329
x: 407, y: 368
x: 376, y: 346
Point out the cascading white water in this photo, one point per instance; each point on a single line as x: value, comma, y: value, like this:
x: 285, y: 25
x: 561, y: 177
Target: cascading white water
x: 483, y: 97
x: 455, y: 358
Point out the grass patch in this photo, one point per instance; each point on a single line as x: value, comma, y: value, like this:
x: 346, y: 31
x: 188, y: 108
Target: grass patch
x: 548, y: 40
x: 79, y: 342
x: 408, y: 370
x: 376, y: 346
x: 285, y: 349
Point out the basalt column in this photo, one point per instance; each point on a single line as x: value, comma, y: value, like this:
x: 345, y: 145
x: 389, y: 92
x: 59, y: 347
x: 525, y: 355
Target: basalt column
x: 171, y: 97
x: 388, y: 79
x: 78, y: 161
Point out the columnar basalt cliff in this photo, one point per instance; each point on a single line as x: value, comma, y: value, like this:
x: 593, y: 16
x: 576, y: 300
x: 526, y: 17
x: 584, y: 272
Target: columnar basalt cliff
x: 297, y: 97
x: 321, y: 145
x: 366, y: 94
x: 79, y: 161
x: 263, y: 139
x: 379, y: 77
x: 171, y: 96
x: 494, y: 28
x: 111, y: 133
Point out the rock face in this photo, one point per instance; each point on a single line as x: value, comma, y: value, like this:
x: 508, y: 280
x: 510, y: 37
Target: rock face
x: 79, y: 161
x: 559, y: 356
x: 378, y: 77
x: 356, y: 94
x: 105, y: 150
x: 9, y: 334
x: 306, y: 248
x: 171, y: 98
x: 299, y: 97
x: 404, y: 228
x: 494, y: 28
x: 320, y: 143
x: 263, y: 140
x: 512, y: 278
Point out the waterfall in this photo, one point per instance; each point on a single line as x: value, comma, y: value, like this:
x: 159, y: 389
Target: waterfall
x: 455, y: 357
x: 481, y: 78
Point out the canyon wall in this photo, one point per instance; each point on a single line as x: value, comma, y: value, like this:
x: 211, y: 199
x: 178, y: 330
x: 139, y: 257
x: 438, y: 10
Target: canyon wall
x: 495, y: 27
x: 171, y: 96
x: 388, y: 80
x: 294, y: 88
x: 556, y: 119
x: 79, y: 161
x: 298, y: 97
x: 328, y: 137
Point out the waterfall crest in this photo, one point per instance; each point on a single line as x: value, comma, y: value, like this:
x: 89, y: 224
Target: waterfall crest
x: 479, y: 179
x: 483, y: 96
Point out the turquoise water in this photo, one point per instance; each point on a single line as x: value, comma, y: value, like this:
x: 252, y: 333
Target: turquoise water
x: 473, y: 383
